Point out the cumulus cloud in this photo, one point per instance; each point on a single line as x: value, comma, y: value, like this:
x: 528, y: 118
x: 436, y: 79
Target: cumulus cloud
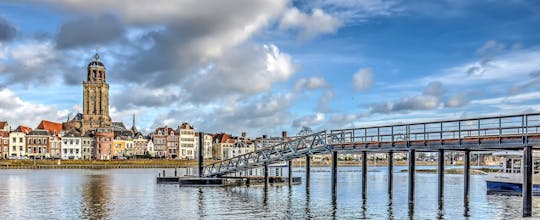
x: 19, y: 112
x: 245, y: 71
x: 139, y: 97
x: 309, y: 120
x: 310, y: 83
x: 324, y: 100
x: 419, y: 102
x: 363, y: 79
x: 456, y: 100
x: 434, y: 89
x: 7, y: 30
x: 309, y: 26
x: 90, y: 31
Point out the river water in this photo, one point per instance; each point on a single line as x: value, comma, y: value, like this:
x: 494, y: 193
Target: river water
x: 134, y: 194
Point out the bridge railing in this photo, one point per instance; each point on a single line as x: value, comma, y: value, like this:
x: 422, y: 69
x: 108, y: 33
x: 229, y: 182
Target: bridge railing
x: 443, y: 131
x: 294, y: 148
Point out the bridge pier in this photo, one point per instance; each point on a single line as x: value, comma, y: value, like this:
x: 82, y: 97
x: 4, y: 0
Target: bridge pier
x: 440, y: 179
x: 265, y: 175
x: 527, y: 181
x: 334, y: 171
x: 390, y: 172
x: 364, y: 174
x: 308, y: 169
x: 412, y: 170
x: 290, y: 173
x: 467, y: 175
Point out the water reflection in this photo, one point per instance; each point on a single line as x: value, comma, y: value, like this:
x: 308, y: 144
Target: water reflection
x: 308, y: 198
x: 95, y: 203
x: 201, y: 212
x: 390, y: 206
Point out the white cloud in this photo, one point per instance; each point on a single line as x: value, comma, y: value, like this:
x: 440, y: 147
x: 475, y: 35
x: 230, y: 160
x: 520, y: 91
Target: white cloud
x: 19, y: 112
x: 513, y: 99
x: 351, y: 11
x: 310, y: 83
x: 491, y: 47
x: 456, y: 100
x: 309, y: 120
x: 510, y: 67
x: 245, y: 71
x: 309, y: 26
x: 363, y: 79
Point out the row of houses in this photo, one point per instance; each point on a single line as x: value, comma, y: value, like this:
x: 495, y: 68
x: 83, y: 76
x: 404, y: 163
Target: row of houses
x: 50, y: 141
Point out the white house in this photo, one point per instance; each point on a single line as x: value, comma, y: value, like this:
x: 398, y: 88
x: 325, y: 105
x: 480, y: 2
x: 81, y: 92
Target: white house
x: 71, y: 145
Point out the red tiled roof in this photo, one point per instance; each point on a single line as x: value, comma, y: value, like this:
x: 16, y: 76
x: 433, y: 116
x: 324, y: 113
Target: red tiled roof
x: 50, y: 126
x: 2, y: 124
x: 24, y: 129
x: 4, y: 133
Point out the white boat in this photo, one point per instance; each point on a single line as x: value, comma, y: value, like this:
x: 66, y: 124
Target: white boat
x: 510, y: 179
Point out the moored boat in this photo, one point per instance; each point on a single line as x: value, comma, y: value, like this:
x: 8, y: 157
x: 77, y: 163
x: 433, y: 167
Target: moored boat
x: 509, y: 180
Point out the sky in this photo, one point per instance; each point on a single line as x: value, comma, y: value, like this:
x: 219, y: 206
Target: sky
x: 271, y: 65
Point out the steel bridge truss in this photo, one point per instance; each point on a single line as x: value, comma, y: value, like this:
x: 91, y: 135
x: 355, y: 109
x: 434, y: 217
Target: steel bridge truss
x: 298, y: 147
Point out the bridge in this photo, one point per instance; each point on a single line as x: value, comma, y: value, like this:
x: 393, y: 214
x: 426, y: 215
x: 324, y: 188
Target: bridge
x: 509, y: 132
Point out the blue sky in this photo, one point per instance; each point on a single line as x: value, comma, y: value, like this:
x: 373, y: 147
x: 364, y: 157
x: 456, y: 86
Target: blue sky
x: 268, y: 66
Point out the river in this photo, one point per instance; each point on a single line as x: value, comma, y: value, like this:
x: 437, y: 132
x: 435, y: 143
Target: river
x: 134, y: 194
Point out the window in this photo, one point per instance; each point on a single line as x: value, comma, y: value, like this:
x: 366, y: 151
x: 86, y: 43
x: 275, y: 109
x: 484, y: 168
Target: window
x: 65, y: 151
x: 14, y: 148
x: 20, y: 140
x: 21, y: 148
x: 14, y: 140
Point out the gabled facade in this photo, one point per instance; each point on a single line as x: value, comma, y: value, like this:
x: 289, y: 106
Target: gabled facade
x: 4, y: 144
x: 71, y: 145
x: 17, y: 143
x: 187, y: 139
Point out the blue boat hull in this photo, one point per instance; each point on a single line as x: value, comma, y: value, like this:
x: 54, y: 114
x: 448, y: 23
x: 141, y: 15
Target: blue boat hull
x: 509, y: 188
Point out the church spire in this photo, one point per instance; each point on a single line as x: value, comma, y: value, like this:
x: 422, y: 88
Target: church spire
x: 133, y: 127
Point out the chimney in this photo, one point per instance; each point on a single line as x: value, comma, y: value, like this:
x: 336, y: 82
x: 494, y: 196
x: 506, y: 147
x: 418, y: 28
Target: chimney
x: 284, y: 135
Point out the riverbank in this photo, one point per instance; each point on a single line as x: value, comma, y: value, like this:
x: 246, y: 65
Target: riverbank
x: 153, y: 163
x: 98, y: 164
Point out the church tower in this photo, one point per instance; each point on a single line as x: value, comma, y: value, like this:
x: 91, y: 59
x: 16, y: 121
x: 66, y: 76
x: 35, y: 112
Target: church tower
x: 95, y: 97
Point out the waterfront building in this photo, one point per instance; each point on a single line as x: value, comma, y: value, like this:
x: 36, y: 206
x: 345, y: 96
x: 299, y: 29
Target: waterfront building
x: 207, y: 146
x: 4, y: 144
x: 119, y: 146
x: 71, y: 145
x: 187, y: 141
x: 17, y: 143
x: 140, y: 144
x: 172, y: 148
x: 221, y: 144
x: 55, y: 146
x: 103, y: 143
x: 87, y: 148
x: 150, y: 148
x: 159, y: 141
x: 37, y: 144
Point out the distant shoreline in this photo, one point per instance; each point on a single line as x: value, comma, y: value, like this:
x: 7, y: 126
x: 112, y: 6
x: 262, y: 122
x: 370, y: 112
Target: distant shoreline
x: 146, y: 163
